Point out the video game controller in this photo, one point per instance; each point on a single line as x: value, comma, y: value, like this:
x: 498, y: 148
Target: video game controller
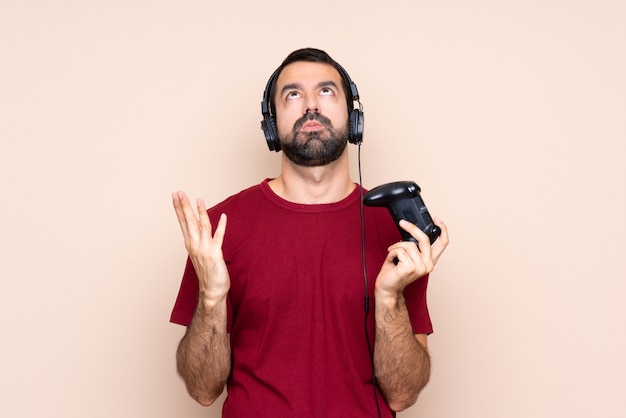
x: 403, y: 200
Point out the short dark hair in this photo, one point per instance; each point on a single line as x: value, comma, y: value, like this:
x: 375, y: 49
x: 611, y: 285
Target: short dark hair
x: 311, y: 55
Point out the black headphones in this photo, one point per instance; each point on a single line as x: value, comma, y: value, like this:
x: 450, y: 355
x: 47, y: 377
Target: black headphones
x: 268, y: 124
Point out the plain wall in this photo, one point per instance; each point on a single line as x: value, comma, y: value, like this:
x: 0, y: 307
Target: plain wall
x: 509, y: 114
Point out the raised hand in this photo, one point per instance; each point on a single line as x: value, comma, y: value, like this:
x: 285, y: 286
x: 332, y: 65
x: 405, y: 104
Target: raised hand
x: 203, y: 246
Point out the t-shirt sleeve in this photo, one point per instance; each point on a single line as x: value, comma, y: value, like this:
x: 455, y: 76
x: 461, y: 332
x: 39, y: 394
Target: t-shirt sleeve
x: 415, y: 293
x: 417, y: 306
x: 187, y: 299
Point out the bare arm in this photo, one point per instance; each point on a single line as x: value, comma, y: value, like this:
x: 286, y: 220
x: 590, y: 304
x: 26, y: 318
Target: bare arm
x: 401, y: 358
x: 203, y: 355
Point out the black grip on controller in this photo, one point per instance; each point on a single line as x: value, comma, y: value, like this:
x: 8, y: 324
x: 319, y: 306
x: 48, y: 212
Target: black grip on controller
x: 403, y: 200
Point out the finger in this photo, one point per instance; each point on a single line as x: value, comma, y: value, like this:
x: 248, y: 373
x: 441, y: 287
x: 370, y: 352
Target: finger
x: 177, y: 200
x: 203, y: 218
x: 401, y: 254
x: 220, y: 231
x: 419, y: 235
x: 422, y: 256
x: 444, y: 229
x: 410, y: 265
x: 442, y: 242
x: 186, y: 217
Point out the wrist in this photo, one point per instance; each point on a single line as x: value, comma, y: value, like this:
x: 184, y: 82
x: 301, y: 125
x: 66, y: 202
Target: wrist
x: 385, y: 297
x: 211, y: 299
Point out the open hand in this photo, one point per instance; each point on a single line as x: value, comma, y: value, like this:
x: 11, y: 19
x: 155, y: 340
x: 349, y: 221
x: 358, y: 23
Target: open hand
x: 204, y: 247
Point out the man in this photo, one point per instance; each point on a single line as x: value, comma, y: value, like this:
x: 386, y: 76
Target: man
x: 274, y: 305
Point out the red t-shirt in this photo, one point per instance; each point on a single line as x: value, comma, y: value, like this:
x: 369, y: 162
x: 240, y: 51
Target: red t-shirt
x: 296, y: 304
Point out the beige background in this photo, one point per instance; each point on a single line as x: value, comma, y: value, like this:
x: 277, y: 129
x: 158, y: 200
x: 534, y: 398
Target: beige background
x: 509, y: 114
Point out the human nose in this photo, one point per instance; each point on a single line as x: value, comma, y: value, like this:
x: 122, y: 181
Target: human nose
x: 311, y: 104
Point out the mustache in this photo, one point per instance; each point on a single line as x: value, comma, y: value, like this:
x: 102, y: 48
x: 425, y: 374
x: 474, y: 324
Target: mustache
x: 312, y: 116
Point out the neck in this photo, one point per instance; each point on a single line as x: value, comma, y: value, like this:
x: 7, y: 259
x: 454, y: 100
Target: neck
x: 313, y: 185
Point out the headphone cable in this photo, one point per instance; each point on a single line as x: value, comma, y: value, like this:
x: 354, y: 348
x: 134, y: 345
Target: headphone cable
x: 367, y: 297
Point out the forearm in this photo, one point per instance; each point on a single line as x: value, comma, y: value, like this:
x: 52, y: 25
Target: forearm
x: 402, y: 364
x: 203, y: 355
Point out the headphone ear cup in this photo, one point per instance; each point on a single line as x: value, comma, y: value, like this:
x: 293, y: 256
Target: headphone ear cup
x: 356, y: 127
x: 268, y: 125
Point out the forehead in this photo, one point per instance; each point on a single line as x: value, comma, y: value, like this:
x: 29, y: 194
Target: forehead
x: 305, y: 73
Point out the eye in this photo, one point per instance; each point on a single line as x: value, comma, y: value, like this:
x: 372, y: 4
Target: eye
x: 292, y: 95
x: 326, y: 91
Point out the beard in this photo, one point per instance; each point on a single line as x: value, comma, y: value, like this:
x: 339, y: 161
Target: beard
x: 316, y: 148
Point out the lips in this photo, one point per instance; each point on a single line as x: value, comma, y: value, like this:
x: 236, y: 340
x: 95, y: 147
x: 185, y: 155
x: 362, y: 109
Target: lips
x: 312, y: 125
x: 312, y: 122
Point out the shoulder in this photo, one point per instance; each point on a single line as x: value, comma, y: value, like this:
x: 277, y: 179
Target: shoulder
x: 379, y: 223
x: 241, y: 199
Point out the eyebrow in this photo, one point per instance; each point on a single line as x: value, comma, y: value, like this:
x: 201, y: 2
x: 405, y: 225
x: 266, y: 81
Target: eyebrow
x: 321, y: 84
